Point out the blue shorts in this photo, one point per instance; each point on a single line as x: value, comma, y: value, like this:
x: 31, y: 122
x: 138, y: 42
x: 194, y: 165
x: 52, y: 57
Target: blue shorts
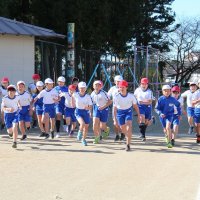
x: 175, y: 120
x: 39, y: 110
x: 146, y: 111
x: 70, y: 112
x: 124, y: 115
x: 60, y: 108
x: 197, y: 115
x: 101, y: 114
x: 168, y: 118
x: 10, y: 118
x: 24, y: 114
x: 190, y: 112
x: 50, y: 109
x: 84, y: 114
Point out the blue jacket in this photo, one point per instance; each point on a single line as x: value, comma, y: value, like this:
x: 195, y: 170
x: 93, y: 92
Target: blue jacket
x: 165, y: 105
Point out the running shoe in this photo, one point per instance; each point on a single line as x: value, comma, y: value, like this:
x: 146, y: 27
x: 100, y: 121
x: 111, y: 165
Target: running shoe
x: 166, y: 139
x: 143, y: 138
x: 84, y: 142
x: 79, y: 135
x: 169, y: 145
x: 106, y: 133
x: 71, y: 133
x: 23, y: 137
x: 198, y: 139
x: 10, y: 135
x: 42, y: 134
x: 190, y: 131
x: 96, y: 140
x: 128, y: 147
x: 14, y: 145
x: 122, y: 136
x: 46, y: 136
x: 100, y: 137
x: 57, y: 135
x: 117, y: 138
x: 52, y: 134
x: 173, y: 142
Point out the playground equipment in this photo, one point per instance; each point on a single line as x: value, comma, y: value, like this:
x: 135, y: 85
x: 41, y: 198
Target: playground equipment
x: 143, y: 62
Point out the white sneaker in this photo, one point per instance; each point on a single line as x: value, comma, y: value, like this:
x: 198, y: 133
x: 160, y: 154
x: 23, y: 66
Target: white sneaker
x: 57, y: 135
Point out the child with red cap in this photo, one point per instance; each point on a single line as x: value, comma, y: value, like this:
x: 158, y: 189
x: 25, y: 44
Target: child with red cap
x: 176, y: 118
x: 144, y: 97
x: 123, y: 114
x: 10, y: 106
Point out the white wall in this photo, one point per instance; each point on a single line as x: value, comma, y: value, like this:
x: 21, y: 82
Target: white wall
x: 17, y: 58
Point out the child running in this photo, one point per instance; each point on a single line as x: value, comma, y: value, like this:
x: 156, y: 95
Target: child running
x: 24, y: 116
x: 60, y: 106
x: 123, y: 114
x: 196, y: 104
x: 38, y: 107
x: 176, y: 118
x: 11, y: 105
x: 165, y: 110
x: 83, y: 104
x: 3, y: 92
x: 190, y: 108
x: 50, y: 97
x: 70, y: 108
x: 101, y: 101
x: 144, y: 98
x: 111, y: 93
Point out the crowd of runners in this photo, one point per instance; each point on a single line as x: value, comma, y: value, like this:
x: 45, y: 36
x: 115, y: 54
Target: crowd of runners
x: 51, y: 105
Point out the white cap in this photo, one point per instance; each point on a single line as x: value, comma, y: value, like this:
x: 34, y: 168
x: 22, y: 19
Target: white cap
x: 11, y: 86
x: 61, y: 79
x: 97, y: 82
x: 166, y: 87
x: 192, y: 83
x: 39, y: 84
x: 118, y: 78
x: 199, y: 81
x: 82, y: 85
x: 48, y: 80
x: 20, y: 82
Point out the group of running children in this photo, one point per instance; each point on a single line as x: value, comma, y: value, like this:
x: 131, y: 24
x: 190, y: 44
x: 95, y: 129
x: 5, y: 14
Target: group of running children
x: 50, y: 105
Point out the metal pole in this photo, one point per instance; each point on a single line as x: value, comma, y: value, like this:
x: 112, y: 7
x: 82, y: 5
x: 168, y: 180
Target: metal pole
x: 147, y: 64
x: 134, y: 66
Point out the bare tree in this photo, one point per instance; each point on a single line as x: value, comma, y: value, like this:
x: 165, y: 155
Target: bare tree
x: 184, y: 58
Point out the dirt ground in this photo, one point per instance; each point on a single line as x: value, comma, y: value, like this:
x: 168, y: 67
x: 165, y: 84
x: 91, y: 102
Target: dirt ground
x: 64, y: 169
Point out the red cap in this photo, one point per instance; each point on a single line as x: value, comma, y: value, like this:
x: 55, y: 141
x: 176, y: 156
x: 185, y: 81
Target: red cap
x: 176, y: 89
x: 35, y: 76
x: 72, y: 87
x: 123, y: 84
x: 5, y: 79
x: 144, y: 81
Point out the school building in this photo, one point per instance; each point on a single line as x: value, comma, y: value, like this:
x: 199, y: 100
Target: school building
x: 26, y: 49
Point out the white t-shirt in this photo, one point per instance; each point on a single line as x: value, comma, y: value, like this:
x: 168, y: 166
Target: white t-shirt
x: 48, y: 96
x: 113, y: 91
x: 25, y: 98
x: 82, y: 101
x: 100, y: 99
x: 188, y: 94
x: 180, y: 99
x: 196, y: 96
x: 124, y: 102
x: 11, y: 103
x: 68, y: 99
x: 142, y: 95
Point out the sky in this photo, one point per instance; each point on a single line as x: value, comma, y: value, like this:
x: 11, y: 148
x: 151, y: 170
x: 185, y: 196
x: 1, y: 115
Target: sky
x: 186, y: 8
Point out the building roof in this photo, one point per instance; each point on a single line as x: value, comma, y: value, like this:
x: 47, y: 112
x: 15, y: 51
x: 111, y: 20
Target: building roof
x: 13, y: 27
